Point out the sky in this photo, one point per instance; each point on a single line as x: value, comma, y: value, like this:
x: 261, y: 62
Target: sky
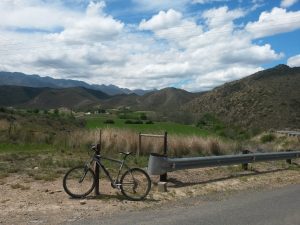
x: 195, y: 45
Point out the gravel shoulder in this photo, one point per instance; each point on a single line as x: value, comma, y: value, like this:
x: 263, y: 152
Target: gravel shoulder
x: 27, y: 201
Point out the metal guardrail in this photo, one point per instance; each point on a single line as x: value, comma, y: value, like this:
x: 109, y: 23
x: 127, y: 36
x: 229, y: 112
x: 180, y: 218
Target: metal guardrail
x: 160, y: 164
x: 289, y: 133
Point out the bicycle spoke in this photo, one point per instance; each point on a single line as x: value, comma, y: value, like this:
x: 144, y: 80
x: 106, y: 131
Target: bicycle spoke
x: 135, y: 184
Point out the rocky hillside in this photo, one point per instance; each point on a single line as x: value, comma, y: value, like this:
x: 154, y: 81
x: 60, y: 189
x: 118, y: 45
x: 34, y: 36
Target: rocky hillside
x: 266, y: 99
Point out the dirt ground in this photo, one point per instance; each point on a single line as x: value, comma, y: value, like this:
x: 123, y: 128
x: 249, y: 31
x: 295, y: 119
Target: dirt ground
x: 27, y: 201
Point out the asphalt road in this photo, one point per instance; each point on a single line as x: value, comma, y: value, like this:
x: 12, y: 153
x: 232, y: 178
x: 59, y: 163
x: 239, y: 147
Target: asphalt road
x: 278, y: 206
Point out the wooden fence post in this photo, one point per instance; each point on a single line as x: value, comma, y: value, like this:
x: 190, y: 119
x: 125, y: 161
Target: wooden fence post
x: 164, y: 177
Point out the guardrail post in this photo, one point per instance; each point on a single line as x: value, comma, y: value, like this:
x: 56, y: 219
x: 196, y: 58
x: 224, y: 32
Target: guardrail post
x: 288, y: 161
x: 245, y: 165
x: 164, y: 177
x: 97, y: 171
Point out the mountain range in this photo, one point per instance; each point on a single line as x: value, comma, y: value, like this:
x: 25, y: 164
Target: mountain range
x: 81, y: 98
x: 21, y: 79
x: 266, y: 99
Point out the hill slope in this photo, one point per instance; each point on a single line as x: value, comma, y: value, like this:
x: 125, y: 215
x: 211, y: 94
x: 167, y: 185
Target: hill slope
x: 267, y: 99
x: 167, y: 99
x: 81, y: 98
x: 15, y: 95
x: 47, y: 98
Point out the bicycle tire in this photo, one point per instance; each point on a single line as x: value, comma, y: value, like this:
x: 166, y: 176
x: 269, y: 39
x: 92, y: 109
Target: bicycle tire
x: 72, y: 181
x: 135, y: 184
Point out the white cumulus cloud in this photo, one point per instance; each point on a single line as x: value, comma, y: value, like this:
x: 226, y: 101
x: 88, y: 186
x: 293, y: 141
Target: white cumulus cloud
x: 275, y: 22
x: 288, y: 3
x: 162, y: 20
x: 218, y: 17
x: 294, y: 61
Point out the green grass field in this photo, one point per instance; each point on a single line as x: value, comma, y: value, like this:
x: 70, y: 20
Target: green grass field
x: 94, y: 122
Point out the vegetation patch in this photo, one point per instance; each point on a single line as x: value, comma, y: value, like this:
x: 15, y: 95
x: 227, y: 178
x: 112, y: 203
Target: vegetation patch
x: 109, y: 121
x: 267, y: 138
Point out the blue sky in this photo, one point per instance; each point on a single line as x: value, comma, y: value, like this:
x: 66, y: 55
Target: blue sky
x: 191, y: 44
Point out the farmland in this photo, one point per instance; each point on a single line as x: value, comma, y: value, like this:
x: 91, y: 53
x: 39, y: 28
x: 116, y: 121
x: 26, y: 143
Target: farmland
x: 99, y: 121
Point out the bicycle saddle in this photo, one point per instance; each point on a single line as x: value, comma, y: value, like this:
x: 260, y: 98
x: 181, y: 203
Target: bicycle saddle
x: 126, y: 153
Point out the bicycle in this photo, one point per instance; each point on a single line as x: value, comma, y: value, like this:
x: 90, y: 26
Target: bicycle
x: 134, y: 184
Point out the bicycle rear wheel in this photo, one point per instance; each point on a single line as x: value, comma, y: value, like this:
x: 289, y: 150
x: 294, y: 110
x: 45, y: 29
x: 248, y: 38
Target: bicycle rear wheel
x: 79, y: 181
x: 135, y: 184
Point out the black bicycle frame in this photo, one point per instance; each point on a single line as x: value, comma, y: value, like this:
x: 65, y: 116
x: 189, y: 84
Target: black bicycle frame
x: 122, y: 163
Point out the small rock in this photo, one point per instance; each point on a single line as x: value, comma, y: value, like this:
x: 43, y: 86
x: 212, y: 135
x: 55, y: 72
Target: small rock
x: 82, y: 202
x: 47, y: 190
x: 36, y: 168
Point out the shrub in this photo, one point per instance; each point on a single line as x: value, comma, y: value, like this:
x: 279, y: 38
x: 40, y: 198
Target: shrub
x: 134, y: 122
x: 149, y: 122
x: 128, y: 121
x: 138, y: 122
x: 267, y: 138
x: 143, y: 116
x: 210, y: 122
x: 109, y: 121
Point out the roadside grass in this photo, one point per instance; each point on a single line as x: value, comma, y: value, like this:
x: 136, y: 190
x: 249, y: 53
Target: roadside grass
x: 51, y: 163
x: 25, y: 147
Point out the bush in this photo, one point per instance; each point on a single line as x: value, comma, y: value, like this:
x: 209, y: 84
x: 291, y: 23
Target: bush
x: 267, y: 138
x: 210, y: 122
x: 143, y: 116
x: 56, y: 111
x: 109, y: 121
x: 149, y: 122
x: 128, y: 121
x: 134, y: 122
x: 137, y: 122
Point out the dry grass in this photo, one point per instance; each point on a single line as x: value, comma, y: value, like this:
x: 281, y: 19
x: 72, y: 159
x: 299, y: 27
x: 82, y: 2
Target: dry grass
x: 4, y: 124
x: 280, y: 143
x: 115, y: 140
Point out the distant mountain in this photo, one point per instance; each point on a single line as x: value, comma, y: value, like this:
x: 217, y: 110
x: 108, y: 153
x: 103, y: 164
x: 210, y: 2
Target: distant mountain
x: 168, y: 99
x: 266, y: 99
x: 21, y: 79
x: 49, y: 98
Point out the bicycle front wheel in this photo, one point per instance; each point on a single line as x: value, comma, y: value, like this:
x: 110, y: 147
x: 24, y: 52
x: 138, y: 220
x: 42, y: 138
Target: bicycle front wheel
x: 79, y: 181
x: 135, y: 184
